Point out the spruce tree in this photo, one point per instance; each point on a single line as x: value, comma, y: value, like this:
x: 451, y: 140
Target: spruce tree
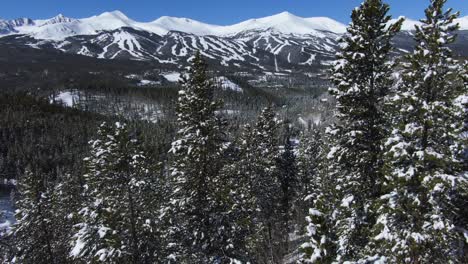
x: 238, y: 173
x: 362, y: 78
x: 289, y: 184
x: 319, y: 196
x: 117, y: 223
x: 416, y: 222
x: 197, y: 205
x: 265, y: 186
x: 66, y: 200
x: 309, y: 159
x: 35, y: 239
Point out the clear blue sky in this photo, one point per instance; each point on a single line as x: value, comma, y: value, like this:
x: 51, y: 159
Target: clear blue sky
x: 221, y: 12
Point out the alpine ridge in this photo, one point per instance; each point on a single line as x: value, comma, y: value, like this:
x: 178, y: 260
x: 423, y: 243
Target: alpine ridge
x: 279, y: 43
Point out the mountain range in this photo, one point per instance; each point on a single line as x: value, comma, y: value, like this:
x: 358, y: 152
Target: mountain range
x: 279, y: 43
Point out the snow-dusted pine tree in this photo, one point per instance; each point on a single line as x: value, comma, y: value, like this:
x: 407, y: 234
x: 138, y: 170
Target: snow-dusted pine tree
x: 197, y: 205
x: 309, y: 159
x: 289, y: 185
x: 66, y: 200
x: 362, y: 76
x: 319, y: 196
x: 266, y: 185
x: 416, y: 222
x: 34, y: 233
x: 238, y: 174
x: 118, y: 223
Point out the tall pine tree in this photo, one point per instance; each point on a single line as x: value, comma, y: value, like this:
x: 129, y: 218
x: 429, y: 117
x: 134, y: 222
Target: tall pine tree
x: 35, y: 239
x: 318, y: 199
x: 197, y: 205
x: 362, y: 78
x: 118, y: 223
x: 416, y: 222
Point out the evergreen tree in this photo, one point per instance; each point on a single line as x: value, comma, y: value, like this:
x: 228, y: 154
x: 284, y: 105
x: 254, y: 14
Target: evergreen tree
x: 362, y: 77
x: 265, y: 186
x: 197, y: 205
x: 320, y: 193
x: 117, y: 221
x: 416, y: 222
x: 288, y: 182
x: 35, y: 239
x: 66, y: 201
x: 309, y: 159
x: 238, y: 173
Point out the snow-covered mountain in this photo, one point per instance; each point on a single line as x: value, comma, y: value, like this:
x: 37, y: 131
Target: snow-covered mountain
x: 61, y: 27
x: 280, y: 43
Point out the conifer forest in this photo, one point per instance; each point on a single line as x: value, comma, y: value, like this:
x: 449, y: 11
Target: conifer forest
x: 360, y: 160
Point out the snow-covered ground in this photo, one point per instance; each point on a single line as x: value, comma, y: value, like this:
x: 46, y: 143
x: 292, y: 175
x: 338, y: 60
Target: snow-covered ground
x: 7, y: 217
x: 148, y: 83
x: 67, y: 98
x: 227, y: 84
x: 172, y: 76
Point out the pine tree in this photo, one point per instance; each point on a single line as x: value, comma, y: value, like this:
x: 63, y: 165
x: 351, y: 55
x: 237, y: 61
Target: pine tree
x: 318, y: 199
x: 238, y: 172
x: 66, y: 200
x: 197, y: 205
x: 416, y: 222
x: 309, y: 159
x: 289, y: 184
x: 362, y: 77
x: 117, y: 221
x: 265, y: 185
x: 34, y: 233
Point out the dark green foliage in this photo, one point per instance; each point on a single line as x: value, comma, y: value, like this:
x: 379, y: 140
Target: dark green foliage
x: 197, y: 205
x: 362, y: 77
x: 35, y: 237
x: 118, y: 222
x: 289, y: 185
x: 416, y: 222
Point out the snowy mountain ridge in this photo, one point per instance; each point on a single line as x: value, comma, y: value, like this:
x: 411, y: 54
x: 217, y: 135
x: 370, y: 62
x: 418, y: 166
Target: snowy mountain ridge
x: 280, y: 43
x: 61, y: 27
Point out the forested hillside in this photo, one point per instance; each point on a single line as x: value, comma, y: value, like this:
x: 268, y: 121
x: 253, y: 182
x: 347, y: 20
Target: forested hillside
x: 364, y: 160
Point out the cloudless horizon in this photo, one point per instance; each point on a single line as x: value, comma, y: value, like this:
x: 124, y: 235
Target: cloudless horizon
x: 210, y: 11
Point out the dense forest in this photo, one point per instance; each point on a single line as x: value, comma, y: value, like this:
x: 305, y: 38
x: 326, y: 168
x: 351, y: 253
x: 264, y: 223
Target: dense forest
x: 373, y: 171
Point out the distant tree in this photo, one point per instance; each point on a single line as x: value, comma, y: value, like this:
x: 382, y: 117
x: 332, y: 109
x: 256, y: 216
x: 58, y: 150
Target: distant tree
x: 362, y: 78
x: 416, y: 221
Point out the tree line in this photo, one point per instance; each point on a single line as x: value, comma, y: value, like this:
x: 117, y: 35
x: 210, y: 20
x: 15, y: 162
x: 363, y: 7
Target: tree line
x: 385, y: 183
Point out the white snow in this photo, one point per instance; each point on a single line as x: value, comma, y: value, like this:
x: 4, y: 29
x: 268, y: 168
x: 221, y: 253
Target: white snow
x: 409, y: 24
x: 148, y: 83
x: 61, y: 27
x: 67, y: 98
x: 227, y: 84
x: 347, y: 201
x: 172, y: 76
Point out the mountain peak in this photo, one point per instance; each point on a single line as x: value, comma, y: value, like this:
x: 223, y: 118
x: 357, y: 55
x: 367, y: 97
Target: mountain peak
x: 58, y: 19
x: 115, y: 14
x: 283, y: 16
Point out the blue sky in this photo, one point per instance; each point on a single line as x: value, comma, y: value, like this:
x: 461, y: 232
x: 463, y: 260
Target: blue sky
x: 221, y: 12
